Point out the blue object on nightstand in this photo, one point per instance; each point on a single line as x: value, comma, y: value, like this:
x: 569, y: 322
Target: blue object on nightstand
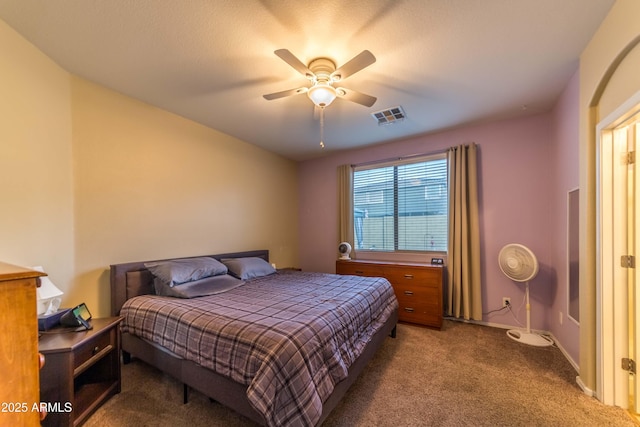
x: 48, y: 321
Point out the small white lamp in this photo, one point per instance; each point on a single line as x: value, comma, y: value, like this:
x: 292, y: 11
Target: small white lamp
x: 48, y: 295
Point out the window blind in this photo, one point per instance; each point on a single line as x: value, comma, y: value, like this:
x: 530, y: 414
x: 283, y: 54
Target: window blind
x: 401, y: 206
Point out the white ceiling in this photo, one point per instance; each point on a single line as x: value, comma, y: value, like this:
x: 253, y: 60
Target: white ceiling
x: 446, y: 62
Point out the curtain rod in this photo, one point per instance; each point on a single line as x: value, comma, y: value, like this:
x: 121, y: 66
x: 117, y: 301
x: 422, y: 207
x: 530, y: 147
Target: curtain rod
x: 396, y: 159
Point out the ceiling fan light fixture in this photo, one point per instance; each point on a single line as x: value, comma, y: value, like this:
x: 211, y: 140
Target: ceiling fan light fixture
x: 322, y: 94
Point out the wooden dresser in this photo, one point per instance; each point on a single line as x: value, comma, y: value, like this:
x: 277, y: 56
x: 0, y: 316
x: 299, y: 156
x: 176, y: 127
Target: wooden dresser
x: 418, y: 287
x: 19, y: 359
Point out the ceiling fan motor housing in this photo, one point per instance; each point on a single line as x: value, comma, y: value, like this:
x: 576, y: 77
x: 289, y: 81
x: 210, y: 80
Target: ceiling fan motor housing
x: 322, y: 68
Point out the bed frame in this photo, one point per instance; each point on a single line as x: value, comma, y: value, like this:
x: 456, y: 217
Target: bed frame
x: 131, y: 279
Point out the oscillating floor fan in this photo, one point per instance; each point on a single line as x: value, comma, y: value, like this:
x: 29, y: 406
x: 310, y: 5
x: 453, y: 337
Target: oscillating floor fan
x: 519, y: 264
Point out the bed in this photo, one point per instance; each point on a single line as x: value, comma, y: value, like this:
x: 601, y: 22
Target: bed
x: 281, y: 348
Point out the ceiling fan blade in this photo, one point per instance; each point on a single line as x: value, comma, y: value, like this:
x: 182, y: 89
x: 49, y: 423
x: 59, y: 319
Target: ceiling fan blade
x: 357, y: 63
x: 355, y: 96
x: 285, y: 93
x: 291, y: 59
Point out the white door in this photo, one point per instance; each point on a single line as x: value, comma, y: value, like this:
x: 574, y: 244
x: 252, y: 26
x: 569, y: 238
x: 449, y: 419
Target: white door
x: 633, y: 138
x: 617, y: 297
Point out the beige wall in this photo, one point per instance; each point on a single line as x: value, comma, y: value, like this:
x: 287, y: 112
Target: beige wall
x: 150, y: 184
x: 36, y: 189
x: 609, y: 70
x: 96, y: 178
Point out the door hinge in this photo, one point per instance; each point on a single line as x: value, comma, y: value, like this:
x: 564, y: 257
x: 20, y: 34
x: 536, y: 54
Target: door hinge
x: 628, y: 261
x: 629, y: 365
x: 630, y: 157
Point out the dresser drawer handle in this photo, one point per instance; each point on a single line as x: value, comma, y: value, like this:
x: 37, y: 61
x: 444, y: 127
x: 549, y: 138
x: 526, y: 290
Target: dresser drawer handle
x: 96, y: 349
x: 408, y: 292
x: 408, y: 276
x: 408, y: 309
x: 359, y: 272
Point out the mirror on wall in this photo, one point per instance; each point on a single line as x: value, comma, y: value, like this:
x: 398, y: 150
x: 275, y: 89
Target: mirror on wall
x: 573, y: 255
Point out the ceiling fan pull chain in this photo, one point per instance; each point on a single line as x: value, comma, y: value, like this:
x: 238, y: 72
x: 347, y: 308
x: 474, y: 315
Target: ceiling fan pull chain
x: 321, y: 127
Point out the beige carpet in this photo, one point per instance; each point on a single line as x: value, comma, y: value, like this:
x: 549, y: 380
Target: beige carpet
x: 464, y: 375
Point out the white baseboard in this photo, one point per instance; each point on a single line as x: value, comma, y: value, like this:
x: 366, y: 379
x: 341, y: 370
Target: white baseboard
x: 584, y: 388
x: 566, y: 355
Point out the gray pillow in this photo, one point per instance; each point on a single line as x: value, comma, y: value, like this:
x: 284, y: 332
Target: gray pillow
x: 182, y: 270
x: 248, y: 268
x: 198, y: 288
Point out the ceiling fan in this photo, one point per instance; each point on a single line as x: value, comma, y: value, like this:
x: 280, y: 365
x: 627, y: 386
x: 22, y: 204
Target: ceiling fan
x: 323, y: 75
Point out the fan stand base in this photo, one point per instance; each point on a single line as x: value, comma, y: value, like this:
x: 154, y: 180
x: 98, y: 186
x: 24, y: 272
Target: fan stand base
x: 529, y: 338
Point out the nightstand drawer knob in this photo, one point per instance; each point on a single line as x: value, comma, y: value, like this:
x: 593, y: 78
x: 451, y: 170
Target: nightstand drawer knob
x: 41, y: 359
x: 408, y: 309
x: 408, y: 292
x: 96, y: 349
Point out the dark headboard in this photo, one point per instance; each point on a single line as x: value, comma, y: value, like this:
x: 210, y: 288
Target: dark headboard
x: 132, y: 278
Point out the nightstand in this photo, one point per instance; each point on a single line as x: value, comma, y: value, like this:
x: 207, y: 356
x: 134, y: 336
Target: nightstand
x: 81, y: 370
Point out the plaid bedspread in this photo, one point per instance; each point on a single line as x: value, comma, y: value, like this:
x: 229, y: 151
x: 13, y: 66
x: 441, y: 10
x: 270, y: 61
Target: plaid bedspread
x: 290, y: 337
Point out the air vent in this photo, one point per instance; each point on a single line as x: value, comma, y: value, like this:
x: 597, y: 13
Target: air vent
x: 389, y: 116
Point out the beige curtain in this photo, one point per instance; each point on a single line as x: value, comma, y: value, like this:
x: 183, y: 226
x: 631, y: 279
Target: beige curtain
x: 345, y: 205
x: 464, y: 294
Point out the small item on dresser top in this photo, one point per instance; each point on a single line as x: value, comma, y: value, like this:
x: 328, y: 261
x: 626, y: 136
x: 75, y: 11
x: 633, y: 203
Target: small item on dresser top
x: 344, y: 249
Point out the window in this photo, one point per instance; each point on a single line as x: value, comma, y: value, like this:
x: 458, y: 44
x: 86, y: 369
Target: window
x: 401, y: 206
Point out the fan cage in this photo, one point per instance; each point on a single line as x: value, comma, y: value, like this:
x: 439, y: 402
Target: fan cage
x: 518, y: 262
